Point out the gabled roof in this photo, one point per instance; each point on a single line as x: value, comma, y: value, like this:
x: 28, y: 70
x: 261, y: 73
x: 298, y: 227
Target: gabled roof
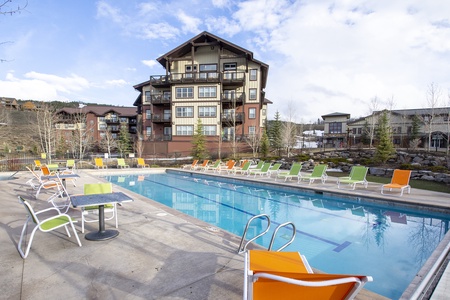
x: 337, y: 114
x: 101, y: 110
x: 207, y: 39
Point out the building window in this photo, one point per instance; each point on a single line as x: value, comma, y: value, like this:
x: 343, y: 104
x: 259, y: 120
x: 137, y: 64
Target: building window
x: 147, y: 97
x: 185, y: 92
x: 251, y: 130
x: 148, y: 114
x: 252, y: 113
x: 409, y: 129
x: 253, y: 74
x: 207, y: 111
x: 166, y: 95
x: 354, y: 130
x: 102, y: 126
x: 208, y: 68
x: 209, y: 130
x: 185, y: 130
x: 207, y: 92
x: 123, y: 120
x: 187, y: 111
x: 189, y: 68
x: 101, y: 119
x: 335, y: 127
x: 148, y: 131
x: 167, y: 115
x: 359, y: 130
x: 229, y: 66
x: 252, y: 95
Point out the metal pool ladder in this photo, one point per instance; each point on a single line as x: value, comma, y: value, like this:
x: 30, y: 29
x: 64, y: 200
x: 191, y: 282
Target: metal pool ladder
x: 243, y: 247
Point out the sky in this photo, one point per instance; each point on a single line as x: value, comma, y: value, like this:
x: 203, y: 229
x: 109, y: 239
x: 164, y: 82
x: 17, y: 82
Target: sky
x: 324, y: 56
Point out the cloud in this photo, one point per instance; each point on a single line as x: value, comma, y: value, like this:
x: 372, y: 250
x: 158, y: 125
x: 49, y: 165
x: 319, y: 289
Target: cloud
x: 43, y: 87
x: 189, y: 23
x: 150, y: 63
x: 104, y: 10
x: 116, y: 82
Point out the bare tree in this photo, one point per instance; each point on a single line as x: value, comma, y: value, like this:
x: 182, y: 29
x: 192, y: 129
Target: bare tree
x: 47, y: 118
x: 108, y: 143
x: 139, y: 144
x: 254, y: 141
x: 373, y: 108
x: 7, y: 7
x: 289, y: 129
x: 433, y: 95
x: 83, y: 136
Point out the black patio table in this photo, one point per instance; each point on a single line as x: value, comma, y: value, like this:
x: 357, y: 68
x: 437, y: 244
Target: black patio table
x: 100, y: 200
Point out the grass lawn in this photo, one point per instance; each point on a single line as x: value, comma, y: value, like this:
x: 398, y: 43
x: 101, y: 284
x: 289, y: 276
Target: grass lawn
x: 417, y: 184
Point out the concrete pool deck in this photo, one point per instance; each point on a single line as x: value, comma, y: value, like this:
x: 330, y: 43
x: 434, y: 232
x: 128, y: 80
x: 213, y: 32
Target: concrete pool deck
x: 159, y: 254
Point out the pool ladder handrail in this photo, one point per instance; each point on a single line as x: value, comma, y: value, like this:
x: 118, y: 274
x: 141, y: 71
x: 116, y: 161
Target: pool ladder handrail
x: 242, y: 248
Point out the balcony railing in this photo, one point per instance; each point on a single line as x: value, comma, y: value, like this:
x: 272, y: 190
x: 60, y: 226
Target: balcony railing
x: 237, y: 98
x: 160, y: 99
x: 112, y: 120
x: 230, y: 118
x: 159, y: 137
x: 161, y: 118
x: 226, y: 78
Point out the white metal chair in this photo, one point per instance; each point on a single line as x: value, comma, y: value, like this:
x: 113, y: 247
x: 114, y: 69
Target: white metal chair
x: 46, y: 225
x: 98, y: 188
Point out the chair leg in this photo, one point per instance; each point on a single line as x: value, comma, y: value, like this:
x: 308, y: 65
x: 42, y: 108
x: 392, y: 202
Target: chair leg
x: 74, y: 232
x: 19, y: 246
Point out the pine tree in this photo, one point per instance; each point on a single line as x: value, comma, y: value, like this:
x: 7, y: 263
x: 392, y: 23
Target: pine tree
x: 264, y: 147
x: 415, y: 128
x: 365, y: 134
x: 198, y: 142
x: 124, y: 142
x: 385, y: 148
x: 275, y: 135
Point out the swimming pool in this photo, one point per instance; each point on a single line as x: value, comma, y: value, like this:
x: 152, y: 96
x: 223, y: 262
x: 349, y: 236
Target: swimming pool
x: 337, y: 235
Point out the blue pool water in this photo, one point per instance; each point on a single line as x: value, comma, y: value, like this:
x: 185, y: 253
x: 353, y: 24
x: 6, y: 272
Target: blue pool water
x: 336, y: 235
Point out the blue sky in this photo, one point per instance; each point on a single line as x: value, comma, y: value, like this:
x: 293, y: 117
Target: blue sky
x: 323, y: 56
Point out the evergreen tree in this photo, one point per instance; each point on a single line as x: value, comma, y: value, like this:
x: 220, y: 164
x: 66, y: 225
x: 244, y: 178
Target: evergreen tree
x: 275, y: 135
x: 415, y: 128
x: 264, y: 147
x: 124, y: 142
x: 385, y: 148
x: 198, y: 142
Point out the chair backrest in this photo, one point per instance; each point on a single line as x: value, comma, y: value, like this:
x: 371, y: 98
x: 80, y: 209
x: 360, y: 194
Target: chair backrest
x: 246, y: 165
x: 37, y: 163
x: 266, y: 167
x: 70, y: 163
x: 275, y: 167
x: 45, y: 170
x: 231, y: 164
x: 319, y: 170
x: 358, y: 173
x: 216, y: 164
x: 97, y: 188
x: 99, y: 162
x: 121, y: 162
x: 141, y: 161
x: 295, y: 169
x: 194, y: 162
x: 205, y: 162
x: 29, y: 210
x: 34, y: 173
x: 401, y: 177
x: 260, y: 164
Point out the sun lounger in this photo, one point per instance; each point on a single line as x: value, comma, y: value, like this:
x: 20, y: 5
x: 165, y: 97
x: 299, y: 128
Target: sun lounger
x: 318, y: 173
x: 294, y: 172
x: 358, y: 176
x: 399, y: 181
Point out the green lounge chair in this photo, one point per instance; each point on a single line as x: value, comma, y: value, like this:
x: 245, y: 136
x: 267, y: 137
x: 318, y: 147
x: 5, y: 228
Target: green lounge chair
x: 214, y: 167
x: 258, y: 166
x: 318, y: 173
x: 275, y: 169
x: 121, y: 163
x: 50, y: 223
x: 244, y: 170
x: 263, y: 171
x: 357, y: 175
x: 294, y: 172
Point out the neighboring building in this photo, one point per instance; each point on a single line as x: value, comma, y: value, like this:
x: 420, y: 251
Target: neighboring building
x: 100, y: 119
x: 9, y: 102
x: 335, y: 131
x: 206, y: 78
x: 433, y: 128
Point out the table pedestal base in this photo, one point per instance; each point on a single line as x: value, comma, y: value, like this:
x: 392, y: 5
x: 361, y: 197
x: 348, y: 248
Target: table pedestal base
x: 101, y: 235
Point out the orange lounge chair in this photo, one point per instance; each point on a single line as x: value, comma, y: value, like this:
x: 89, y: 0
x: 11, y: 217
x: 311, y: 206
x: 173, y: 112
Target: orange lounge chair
x: 287, y: 275
x: 203, y: 165
x: 400, y: 180
x: 191, y: 166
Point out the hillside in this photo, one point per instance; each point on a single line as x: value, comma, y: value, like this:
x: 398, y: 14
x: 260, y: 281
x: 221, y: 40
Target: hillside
x: 21, y: 133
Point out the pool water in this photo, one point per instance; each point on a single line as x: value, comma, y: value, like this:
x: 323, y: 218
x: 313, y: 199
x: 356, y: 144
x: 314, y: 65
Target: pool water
x: 336, y: 235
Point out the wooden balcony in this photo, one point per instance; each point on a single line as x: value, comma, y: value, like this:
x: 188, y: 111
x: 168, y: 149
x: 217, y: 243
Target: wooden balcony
x: 161, y: 118
x: 231, y: 118
x: 236, y: 98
